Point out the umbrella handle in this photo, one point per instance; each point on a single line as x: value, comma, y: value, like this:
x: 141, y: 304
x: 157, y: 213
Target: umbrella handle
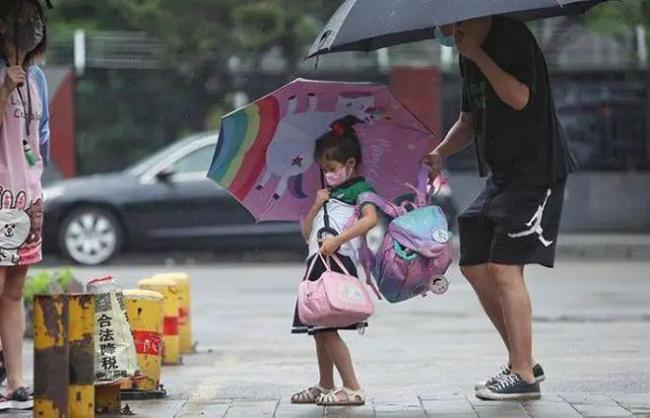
x: 326, y: 231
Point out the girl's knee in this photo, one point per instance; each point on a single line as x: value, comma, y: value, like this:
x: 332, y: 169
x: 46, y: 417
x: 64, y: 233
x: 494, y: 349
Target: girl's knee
x: 13, y: 290
x: 14, y: 283
x: 13, y: 293
x: 326, y: 337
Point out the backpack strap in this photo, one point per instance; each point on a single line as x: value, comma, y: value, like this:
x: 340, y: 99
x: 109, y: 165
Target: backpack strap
x: 422, y: 196
x: 368, y: 261
x: 386, y: 206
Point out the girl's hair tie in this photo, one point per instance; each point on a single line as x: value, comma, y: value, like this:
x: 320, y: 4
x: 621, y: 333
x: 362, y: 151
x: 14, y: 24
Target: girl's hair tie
x: 338, y: 129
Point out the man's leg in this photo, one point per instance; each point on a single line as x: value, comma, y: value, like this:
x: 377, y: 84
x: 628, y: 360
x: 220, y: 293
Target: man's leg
x: 490, y: 297
x: 517, y: 316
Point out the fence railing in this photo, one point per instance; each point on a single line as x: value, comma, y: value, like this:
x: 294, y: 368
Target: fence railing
x: 567, y: 45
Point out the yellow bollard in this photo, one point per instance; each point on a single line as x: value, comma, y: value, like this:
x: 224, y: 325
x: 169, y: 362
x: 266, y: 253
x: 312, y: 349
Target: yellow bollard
x: 184, y: 310
x: 51, y: 356
x: 171, y: 342
x: 145, y: 311
x: 81, y: 332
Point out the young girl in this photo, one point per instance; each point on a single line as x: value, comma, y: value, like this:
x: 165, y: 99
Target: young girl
x: 22, y: 42
x: 339, y: 155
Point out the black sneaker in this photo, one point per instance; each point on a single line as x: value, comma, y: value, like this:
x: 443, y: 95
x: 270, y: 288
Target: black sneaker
x: 538, y: 373
x: 503, y: 371
x: 510, y: 387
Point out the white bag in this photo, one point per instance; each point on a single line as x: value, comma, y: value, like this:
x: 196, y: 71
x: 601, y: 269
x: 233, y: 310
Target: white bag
x: 115, y: 356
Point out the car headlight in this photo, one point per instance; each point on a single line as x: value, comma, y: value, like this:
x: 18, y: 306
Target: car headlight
x: 50, y: 193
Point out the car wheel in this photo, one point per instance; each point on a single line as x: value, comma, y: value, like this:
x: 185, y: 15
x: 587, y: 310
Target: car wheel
x: 90, y: 236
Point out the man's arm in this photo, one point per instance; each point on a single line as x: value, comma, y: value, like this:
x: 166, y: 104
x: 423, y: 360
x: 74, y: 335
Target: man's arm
x: 510, y: 90
x: 458, y: 136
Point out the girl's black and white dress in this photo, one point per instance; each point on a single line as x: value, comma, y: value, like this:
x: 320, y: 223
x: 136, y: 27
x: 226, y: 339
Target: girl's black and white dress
x: 341, y: 207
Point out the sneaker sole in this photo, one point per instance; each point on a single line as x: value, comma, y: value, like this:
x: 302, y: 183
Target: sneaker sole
x: 508, y: 397
x: 538, y: 379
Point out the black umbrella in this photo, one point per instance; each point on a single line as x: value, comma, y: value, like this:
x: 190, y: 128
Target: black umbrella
x: 366, y: 25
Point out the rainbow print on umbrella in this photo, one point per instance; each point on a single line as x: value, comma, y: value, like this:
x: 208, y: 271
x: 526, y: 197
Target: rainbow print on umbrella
x: 243, y: 140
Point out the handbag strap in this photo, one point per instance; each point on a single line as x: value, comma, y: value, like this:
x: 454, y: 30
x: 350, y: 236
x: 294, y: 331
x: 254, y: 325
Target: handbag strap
x: 313, y: 264
x: 338, y: 261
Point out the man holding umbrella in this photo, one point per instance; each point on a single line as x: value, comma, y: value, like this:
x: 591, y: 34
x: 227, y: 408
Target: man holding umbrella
x: 507, y: 109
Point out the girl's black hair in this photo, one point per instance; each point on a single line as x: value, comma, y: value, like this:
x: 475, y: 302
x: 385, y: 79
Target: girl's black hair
x: 341, y: 143
x: 9, y: 10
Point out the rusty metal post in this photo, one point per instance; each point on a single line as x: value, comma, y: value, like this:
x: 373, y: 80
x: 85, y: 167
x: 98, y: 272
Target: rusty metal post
x: 81, y: 331
x: 51, y: 365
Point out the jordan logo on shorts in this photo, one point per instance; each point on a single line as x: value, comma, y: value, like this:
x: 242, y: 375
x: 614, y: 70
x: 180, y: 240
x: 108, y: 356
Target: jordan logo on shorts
x: 535, y: 224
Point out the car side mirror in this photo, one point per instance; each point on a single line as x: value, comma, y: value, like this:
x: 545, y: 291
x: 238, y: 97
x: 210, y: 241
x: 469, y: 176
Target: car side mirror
x: 165, y: 174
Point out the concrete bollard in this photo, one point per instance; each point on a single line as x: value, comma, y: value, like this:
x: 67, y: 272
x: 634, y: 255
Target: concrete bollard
x: 171, y: 342
x: 184, y: 310
x: 51, y: 364
x: 145, y: 311
x: 81, y: 331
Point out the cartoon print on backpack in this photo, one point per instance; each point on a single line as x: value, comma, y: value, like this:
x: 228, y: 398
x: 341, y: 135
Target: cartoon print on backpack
x: 15, y: 225
x: 290, y: 154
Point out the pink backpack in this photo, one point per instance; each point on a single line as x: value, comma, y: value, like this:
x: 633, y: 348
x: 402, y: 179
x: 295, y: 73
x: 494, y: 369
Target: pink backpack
x: 335, y: 299
x: 416, y: 251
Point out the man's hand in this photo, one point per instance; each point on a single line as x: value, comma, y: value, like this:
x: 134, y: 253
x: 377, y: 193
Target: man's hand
x: 468, y: 43
x: 435, y: 161
x: 15, y: 76
x: 329, y: 246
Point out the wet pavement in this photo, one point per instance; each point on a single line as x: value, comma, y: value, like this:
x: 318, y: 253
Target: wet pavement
x: 419, y: 358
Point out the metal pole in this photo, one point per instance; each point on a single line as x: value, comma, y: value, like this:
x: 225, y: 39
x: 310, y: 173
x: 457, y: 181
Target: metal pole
x: 80, y: 52
x: 51, y: 360
x: 81, y: 334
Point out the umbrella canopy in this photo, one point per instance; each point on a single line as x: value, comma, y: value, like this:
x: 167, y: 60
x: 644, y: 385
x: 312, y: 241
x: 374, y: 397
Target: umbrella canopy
x: 264, y: 154
x: 366, y: 25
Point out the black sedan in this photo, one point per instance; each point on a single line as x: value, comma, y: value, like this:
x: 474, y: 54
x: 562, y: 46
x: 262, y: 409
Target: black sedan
x: 164, y: 202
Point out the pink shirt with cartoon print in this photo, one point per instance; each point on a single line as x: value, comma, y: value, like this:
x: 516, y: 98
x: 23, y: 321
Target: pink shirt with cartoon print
x: 21, y: 168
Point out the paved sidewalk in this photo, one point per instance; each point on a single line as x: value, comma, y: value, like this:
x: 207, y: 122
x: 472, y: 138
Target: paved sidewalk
x: 449, y: 405
x: 419, y: 358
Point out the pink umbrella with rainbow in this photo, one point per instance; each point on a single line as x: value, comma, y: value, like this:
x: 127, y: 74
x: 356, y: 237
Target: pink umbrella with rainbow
x: 264, y: 154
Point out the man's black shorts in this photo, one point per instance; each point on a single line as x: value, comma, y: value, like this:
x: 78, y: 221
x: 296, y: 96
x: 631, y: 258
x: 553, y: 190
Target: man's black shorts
x: 512, y: 225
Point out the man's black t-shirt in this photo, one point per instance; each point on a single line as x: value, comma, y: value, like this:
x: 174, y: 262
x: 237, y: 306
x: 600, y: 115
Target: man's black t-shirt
x: 524, y: 147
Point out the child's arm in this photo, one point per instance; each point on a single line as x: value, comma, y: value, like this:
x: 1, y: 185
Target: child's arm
x: 369, y: 220
x: 308, y: 223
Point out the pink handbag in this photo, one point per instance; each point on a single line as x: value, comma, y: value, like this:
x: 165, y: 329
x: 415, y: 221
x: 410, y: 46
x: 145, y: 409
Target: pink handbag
x: 335, y: 299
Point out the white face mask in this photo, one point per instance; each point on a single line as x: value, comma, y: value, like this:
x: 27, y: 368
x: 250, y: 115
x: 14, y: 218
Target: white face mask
x: 448, y: 41
x: 338, y: 177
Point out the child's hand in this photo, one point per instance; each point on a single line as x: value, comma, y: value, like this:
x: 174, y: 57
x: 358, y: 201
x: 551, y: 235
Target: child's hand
x: 322, y: 196
x: 329, y: 246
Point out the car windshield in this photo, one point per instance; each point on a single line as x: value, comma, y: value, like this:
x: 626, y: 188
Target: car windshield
x: 151, y: 161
